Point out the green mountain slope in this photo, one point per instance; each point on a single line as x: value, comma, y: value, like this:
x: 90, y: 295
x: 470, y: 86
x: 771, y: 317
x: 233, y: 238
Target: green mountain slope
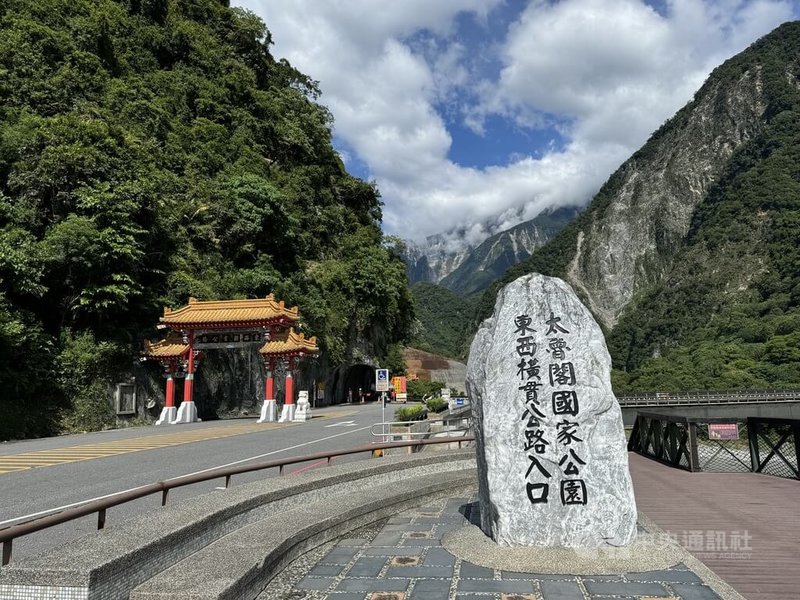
x: 155, y: 150
x: 443, y: 320
x: 689, y: 255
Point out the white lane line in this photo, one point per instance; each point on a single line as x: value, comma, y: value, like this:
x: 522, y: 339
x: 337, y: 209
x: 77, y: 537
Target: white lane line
x: 342, y: 424
x: 238, y: 462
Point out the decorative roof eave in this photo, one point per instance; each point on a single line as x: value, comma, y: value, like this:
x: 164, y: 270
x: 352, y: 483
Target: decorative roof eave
x: 172, y: 347
x: 230, y: 314
x: 290, y: 344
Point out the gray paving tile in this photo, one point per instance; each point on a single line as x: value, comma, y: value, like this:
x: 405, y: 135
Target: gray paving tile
x: 408, y: 527
x: 315, y: 583
x: 367, y: 567
x: 536, y: 576
x: 420, y: 572
x: 561, y: 590
x: 373, y: 585
x: 445, y: 527
x: 503, y: 587
x: 398, y: 520
x: 392, y: 551
x: 475, y: 572
x: 345, y: 596
x: 666, y: 575
x: 339, y: 556
x: 477, y: 597
x: 387, y: 539
x: 438, y: 556
x: 457, y: 501
x: 329, y: 570
x: 431, y: 589
x: 694, y: 592
x: 422, y: 542
x: 625, y: 589
x: 457, y: 518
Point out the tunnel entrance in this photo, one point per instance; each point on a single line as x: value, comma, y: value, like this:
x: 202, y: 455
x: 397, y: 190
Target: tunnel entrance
x: 349, y: 382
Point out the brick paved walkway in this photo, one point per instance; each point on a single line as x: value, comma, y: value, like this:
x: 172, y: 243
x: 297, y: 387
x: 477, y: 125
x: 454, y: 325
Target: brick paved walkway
x: 406, y: 561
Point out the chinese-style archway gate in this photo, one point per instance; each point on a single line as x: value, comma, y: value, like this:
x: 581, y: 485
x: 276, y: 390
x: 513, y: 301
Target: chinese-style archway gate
x: 172, y: 353
x: 216, y: 324
x: 289, y: 347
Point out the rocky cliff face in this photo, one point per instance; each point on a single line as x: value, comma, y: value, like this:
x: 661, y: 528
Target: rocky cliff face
x: 688, y: 254
x: 435, y: 258
x: 450, y: 261
x: 493, y: 257
x: 628, y: 243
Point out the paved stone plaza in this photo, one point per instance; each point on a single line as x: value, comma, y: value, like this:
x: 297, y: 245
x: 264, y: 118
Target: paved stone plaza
x: 404, y: 559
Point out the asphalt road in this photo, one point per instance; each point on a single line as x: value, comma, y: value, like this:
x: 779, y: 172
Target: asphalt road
x: 45, y: 486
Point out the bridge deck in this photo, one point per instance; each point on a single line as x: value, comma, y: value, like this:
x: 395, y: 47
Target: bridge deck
x: 709, y: 511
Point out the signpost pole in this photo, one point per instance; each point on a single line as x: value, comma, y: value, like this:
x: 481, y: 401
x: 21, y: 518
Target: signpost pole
x: 382, y: 385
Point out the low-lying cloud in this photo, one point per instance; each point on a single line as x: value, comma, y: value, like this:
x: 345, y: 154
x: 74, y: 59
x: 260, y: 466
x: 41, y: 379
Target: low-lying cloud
x: 398, y: 76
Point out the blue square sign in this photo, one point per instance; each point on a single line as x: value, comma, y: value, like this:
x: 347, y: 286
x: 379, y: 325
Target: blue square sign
x: 381, y: 380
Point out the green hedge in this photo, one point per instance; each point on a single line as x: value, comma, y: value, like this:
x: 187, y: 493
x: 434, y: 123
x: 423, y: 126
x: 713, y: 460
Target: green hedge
x: 411, y: 413
x: 436, y: 405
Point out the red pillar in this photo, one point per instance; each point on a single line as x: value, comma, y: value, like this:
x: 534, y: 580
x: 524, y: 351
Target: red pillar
x: 289, y: 399
x: 189, y: 382
x: 170, y: 396
x: 269, y: 387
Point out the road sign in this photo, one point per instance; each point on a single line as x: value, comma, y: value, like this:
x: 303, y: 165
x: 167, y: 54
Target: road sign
x: 381, y: 380
x: 459, y: 402
x: 723, y: 431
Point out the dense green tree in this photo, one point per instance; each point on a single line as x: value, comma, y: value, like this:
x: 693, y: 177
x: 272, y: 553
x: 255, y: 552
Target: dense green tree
x: 152, y: 150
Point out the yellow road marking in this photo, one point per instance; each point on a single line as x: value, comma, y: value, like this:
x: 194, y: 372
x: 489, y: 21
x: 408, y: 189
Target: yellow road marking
x: 56, y: 456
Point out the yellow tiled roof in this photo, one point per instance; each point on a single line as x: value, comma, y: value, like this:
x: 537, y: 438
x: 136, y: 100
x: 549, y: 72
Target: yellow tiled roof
x: 171, y: 347
x: 290, y: 343
x: 222, y: 313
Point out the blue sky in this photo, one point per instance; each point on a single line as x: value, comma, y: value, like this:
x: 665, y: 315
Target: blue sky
x: 478, y: 114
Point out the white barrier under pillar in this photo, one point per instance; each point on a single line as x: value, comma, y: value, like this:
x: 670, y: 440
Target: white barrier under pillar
x: 187, y: 413
x: 269, y: 412
x: 287, y: 414
x: 167, y: 416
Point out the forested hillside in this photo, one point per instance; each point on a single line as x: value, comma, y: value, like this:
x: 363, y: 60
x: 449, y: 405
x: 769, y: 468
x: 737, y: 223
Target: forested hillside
x: 152, y: 150
x: 443, y: 320
x: 690, y: 253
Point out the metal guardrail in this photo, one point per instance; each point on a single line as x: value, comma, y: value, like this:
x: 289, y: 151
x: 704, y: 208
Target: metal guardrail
x: 9, y: 534
x: 780, y: 441
x: 708, y: 397
x: 389, y: 429
x: 761, y: 445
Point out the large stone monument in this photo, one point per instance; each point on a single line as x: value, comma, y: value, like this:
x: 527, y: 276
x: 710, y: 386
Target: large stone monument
x: 552, y: 457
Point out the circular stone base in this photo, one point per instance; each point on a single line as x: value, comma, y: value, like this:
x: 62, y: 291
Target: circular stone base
x: 648, y: 553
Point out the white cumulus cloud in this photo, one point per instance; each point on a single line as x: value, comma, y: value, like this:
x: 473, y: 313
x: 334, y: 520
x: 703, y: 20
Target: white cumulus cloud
x: 607, y: 73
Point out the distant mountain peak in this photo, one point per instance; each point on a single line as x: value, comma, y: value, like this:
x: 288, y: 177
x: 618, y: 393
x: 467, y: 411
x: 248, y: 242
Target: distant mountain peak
x: 449, y: 260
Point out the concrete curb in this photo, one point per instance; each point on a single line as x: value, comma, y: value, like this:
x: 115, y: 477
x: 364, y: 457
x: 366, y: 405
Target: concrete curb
x: 240, y: 565
x: 109, y: 563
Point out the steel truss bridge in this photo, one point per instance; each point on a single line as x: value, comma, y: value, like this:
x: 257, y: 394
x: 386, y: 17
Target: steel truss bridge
x: 707, y: 398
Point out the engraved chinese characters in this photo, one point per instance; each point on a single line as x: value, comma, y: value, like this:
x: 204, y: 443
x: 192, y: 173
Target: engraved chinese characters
x: 552, y: 457
x: 564, y: 398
